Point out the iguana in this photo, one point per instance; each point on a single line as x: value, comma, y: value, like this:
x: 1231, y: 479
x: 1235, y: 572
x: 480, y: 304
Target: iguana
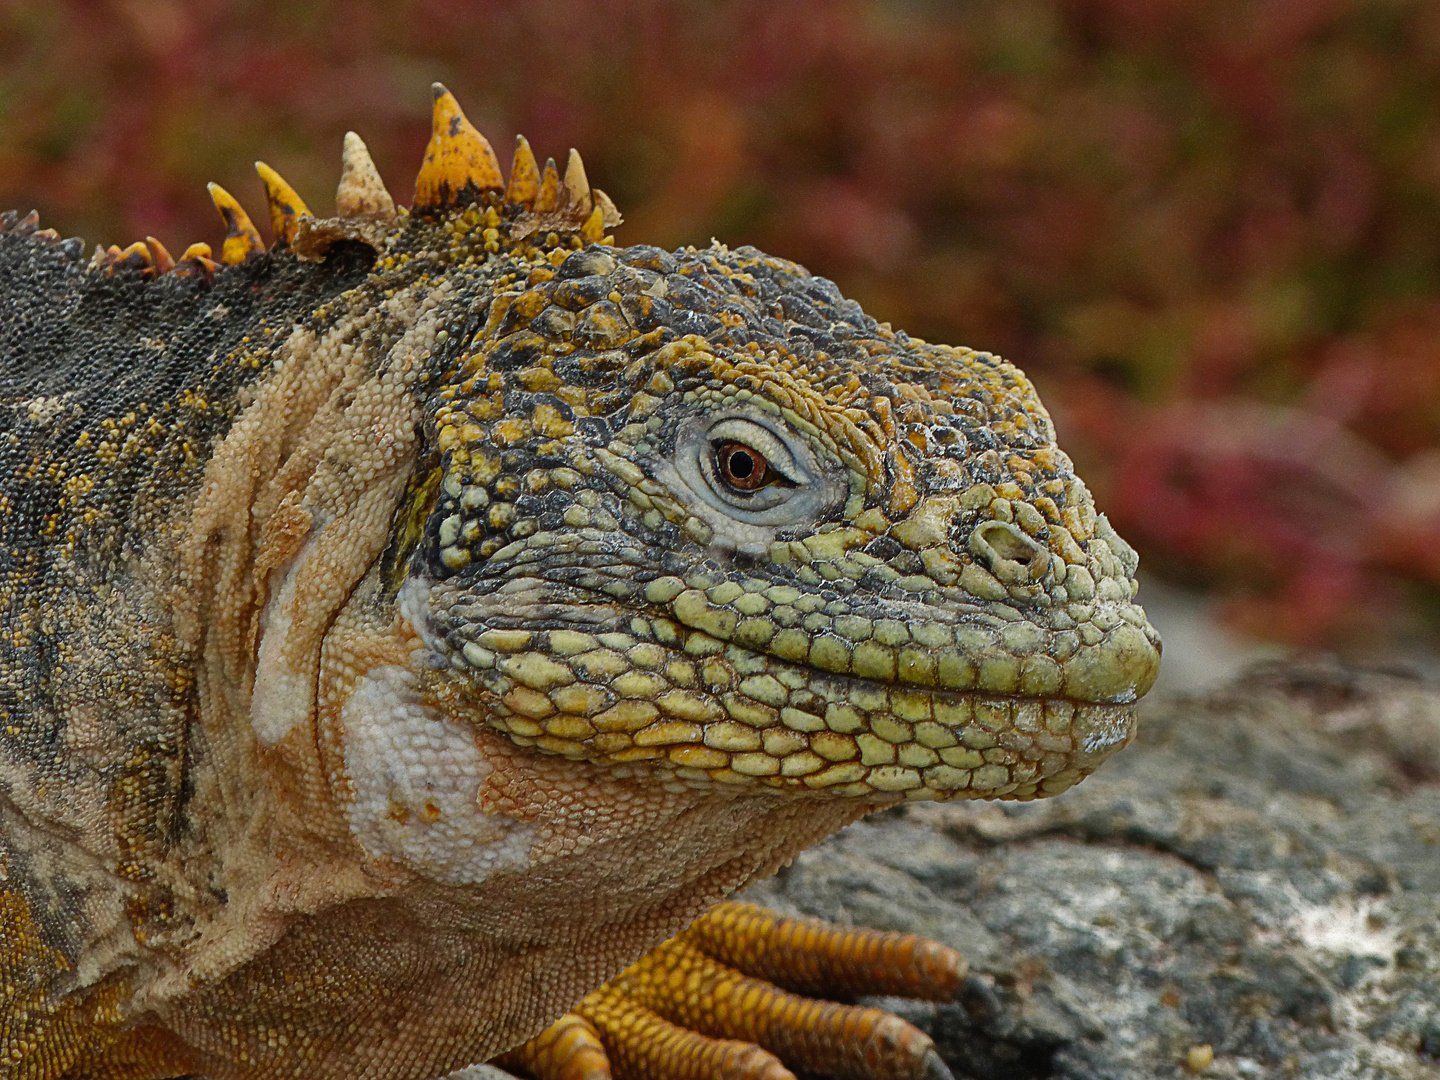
x: 409, y: 625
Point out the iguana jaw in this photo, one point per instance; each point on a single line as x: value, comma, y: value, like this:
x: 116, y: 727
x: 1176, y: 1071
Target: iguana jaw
x: 692, y: 709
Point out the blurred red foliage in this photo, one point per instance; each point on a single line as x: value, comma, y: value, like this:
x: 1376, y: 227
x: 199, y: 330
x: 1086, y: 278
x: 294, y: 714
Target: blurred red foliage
x: 1209, y: 228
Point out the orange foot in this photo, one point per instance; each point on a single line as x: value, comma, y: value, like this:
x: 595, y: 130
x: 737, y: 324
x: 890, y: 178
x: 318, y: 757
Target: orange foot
x: 737, y: 997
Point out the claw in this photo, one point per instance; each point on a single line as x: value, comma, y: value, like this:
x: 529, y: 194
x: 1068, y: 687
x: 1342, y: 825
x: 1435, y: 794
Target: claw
x: 978, y: 997
x: 933, y: 1068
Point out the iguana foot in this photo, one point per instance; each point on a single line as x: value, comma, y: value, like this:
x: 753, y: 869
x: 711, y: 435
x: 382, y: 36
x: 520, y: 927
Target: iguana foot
x: 737, y: 997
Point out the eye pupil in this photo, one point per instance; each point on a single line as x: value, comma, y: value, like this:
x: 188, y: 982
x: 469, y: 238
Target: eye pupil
x: 741, y: 467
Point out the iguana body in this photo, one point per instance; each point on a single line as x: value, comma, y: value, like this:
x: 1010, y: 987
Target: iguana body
x: 409, y: 626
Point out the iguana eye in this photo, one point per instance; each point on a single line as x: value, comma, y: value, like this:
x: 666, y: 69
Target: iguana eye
x: 745, y: 468
x: 742, y: 467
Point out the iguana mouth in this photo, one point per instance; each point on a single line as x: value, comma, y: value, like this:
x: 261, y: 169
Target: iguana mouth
x: 766, y: 684
x: 717, y: 712
x: 1114, y: 663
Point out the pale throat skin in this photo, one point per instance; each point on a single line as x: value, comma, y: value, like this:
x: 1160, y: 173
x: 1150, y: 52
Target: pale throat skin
x: 474, y: 664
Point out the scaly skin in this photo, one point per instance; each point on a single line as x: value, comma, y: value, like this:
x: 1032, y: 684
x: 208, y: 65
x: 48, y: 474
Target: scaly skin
x: 409, y: 626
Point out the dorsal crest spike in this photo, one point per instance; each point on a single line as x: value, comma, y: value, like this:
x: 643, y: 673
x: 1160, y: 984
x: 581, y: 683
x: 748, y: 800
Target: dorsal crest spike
x: 135, y: 257
x: 361, y: 193
x: 577, y: 185
x: 140, y: 252
x: 609, y: 212
x: 457, y: 157
x: 195, y: 261
x: 593, y: 230
x: 164, y: 263
x: 285, y: 206
x: 549, y: 194
x: 242, y: 240
x: 524, y: 175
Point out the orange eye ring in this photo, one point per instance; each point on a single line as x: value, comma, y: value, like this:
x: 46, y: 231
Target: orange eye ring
x: 741, y: 467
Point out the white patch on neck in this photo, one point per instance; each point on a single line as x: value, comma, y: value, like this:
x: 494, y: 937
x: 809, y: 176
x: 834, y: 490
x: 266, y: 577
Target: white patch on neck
x: 416, y: 777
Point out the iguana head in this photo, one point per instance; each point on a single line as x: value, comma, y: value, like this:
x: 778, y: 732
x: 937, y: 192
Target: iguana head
x: 697, y: 513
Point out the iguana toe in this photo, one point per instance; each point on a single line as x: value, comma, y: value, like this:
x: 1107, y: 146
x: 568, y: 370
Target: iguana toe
x: 699, y: 1006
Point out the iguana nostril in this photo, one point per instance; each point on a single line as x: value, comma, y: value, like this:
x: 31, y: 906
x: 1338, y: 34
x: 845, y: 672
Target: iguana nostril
x: 1007, y: 544
x: 1007, y: 552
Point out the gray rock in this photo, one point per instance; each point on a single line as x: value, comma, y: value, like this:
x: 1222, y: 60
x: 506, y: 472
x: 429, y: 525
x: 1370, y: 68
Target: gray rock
x: 1259, y: 872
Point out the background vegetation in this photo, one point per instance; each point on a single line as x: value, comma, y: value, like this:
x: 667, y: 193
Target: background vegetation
x: 1210, y: 229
